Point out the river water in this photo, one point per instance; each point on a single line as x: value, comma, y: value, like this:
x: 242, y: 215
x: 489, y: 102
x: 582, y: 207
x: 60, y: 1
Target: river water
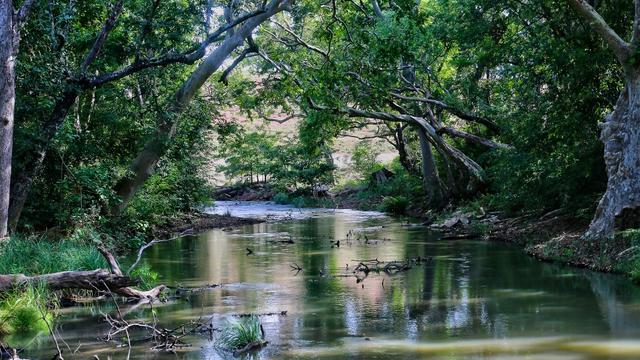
x: 472, y: 300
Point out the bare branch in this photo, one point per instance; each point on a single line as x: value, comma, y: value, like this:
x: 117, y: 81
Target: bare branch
x: 251, y: 50
x: 457, y: 112
x: 376, y: 8
x: 472, y: 138
x: 299, y: 40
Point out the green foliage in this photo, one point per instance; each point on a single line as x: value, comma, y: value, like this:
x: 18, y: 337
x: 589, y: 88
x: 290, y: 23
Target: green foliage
x: 281, y: 198
x: 364, y: 160
x: 395, y: 204
x: 288, y: 164
x: 23, y: 311
x: 237, y: 333
x: 148, y: 278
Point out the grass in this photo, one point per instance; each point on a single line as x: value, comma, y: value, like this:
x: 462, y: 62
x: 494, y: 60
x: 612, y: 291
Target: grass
x: 24, y: 311
x: 39, y: 255
x: 236, y: 334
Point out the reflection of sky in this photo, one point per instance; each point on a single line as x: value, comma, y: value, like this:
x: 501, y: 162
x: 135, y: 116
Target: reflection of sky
x: 470, y: 293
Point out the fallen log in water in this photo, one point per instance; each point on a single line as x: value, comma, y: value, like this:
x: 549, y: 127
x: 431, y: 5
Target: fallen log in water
x: 100, y: 280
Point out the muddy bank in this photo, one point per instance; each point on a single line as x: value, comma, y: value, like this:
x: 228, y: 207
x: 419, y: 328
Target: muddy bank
x: 554, y: 237
x: 198, y: 222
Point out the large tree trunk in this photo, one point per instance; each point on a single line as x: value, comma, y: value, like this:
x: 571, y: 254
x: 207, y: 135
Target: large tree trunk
x: 401, y: 146
x: 430, y: 178
x: 619, y: 207
x: 8, y: 43
x: 144, y: 164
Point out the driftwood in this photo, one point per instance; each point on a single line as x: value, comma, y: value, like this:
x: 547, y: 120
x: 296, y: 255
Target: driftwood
x: 252, y: 346
x: 128, y: 291
x: 100, y: 280
x: 279, y: 313
x: 162, y: 338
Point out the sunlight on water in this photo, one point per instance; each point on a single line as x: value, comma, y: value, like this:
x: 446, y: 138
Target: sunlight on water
x: 469, y: 300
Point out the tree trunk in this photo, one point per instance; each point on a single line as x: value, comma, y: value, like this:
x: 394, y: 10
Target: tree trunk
x: 401, y: 146
x: 8, y: 43
x: 619, y: 207
x: 23, y: 179
x: 430, y: 179
x: 143, y: 165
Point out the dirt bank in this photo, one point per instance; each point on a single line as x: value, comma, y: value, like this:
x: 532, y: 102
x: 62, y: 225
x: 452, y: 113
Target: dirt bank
x: 554, y: 237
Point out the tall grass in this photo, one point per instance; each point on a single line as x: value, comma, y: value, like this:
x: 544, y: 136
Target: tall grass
x: 24, y: 311
x: 39, y: 255
x: 236, y: 334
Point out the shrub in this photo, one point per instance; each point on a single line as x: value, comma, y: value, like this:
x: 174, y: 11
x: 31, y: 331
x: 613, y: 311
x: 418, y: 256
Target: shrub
x: 148, y: 278
x: 395, y: 204
x: 281, y: 198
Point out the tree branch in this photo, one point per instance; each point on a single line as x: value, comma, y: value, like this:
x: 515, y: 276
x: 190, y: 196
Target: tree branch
x: 472, y: 138
x: 102, y: 37
x: 597, y: 23
x: 23, y: 12
x: 376, y: 8
x: 457, y: 112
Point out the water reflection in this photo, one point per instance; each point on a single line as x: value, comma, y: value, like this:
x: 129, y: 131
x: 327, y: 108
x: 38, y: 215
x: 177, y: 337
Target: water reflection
x: 473, y: 300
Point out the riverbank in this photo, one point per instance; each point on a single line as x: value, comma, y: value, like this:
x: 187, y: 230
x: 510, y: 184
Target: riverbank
x: 554, y: 236
x: 197, y: 222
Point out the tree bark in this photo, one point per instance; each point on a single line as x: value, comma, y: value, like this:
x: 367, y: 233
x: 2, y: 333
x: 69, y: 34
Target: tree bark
x: 430, y: 178
x: 8, y: 46
x: 401, y: 146
x: 619, y: 207
x: 87, y: 280
x: 156, y: 146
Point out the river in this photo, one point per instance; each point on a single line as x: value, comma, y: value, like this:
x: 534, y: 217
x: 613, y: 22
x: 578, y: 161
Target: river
x: 472, y: 299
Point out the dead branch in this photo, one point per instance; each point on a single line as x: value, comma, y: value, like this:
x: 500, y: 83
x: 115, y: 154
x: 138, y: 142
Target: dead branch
x: 150, y: 244
x: 279, y: 313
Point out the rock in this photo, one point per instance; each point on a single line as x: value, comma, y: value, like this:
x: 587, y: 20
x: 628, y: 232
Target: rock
x: 457, y: 219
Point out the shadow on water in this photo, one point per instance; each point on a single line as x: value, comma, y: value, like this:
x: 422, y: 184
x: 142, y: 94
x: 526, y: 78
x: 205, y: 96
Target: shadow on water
x: 473, y: 300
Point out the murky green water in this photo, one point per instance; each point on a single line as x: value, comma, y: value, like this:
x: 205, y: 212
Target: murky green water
x: 474, y: 300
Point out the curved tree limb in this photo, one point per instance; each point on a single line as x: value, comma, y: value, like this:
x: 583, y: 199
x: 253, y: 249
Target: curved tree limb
x: 455, y: 111
x: 600, y: 26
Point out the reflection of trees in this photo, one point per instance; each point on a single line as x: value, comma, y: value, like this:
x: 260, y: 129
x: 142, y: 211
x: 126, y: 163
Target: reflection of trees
x: 615, y: 297
x: 470, y: 289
